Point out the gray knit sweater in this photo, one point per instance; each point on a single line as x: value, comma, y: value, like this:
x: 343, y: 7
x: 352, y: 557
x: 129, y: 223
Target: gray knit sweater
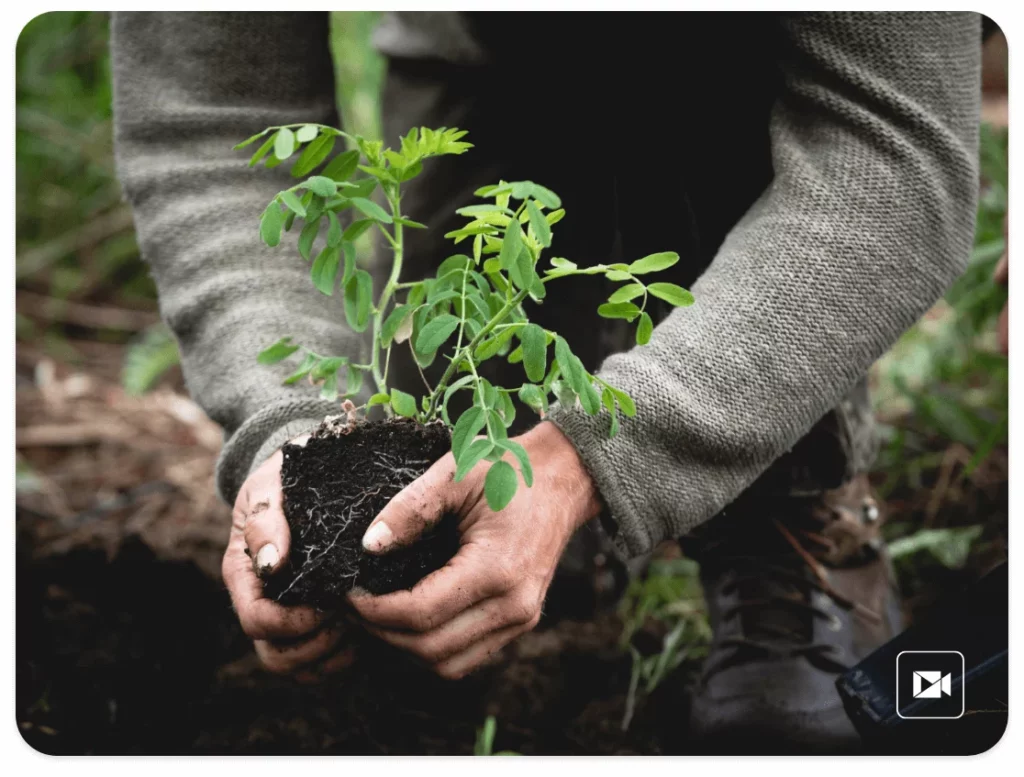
x: 869, y: 218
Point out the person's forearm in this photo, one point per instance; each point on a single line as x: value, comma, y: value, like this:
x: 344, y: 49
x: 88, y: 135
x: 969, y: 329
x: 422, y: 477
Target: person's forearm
x: 870, y: 217
x: 187, y: 87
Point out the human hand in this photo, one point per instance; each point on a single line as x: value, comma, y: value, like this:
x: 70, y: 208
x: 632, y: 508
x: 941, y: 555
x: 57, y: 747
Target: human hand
x: 492, y: 591
x: 289, y: 640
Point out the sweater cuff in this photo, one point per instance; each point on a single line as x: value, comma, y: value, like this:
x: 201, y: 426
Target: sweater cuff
x: 262, y: 434
x: 622, y: 521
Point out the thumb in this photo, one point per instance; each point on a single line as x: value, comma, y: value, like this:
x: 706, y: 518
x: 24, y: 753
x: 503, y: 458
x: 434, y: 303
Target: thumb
x: 265, y: 528
x: 415, y: 508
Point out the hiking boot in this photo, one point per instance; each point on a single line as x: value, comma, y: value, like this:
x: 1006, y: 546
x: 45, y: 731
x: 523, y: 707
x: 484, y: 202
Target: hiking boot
x: 798, y: 590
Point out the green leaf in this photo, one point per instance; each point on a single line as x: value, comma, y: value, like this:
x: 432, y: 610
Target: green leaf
x: 279, y: 351
x: 342, y: 167
x: 403, y: 404
x: 434, y: 334
x: 535, y: 354
x: 480, y: 210
x: 569, y: 364
x: 674, y: 295
x: 409, y: 223
x: 362, y: 188
x: 284, y: 143
x: 626, y: 293
x: 541, y: 228
x: 328, y: 366
x: 500, y: 485
x: 250, y: 140
x: 372, y: 209
x: 626, y: 310
x: 293, y: 203
x: 625, y: 402
x: 546, y: 197
x: 654, y: 262
x: 524, y: 460
x: 608, y: 400
x: 325, y: 270
x: 354, y: 381
x: 314, y: 155
x: 358, y: 298
x: 471, y: 456
x: 357, y: 228
x: 307, y: 237
x: 378, y: 399
x: 644, y: 329
x: 307, y: 132
x: 321, y: 185
x: 350, y: 261
x: 393, y: 322
x: 304, y: 369
x: 589, y: 398
x: 533, y: 397
x: 329, y: 389
x: 617, y: 275
x: 466, y: 428
x: 271, y: 224
x: 334, y: 233
x: 263, y: 150
x: 511, y: 246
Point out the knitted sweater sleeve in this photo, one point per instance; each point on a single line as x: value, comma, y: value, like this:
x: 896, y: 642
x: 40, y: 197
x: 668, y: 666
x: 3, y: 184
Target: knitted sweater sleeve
x: 187, y: 87
x: 868, y: 220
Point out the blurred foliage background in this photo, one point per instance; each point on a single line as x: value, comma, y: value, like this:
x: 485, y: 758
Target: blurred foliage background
x: 85, y: 300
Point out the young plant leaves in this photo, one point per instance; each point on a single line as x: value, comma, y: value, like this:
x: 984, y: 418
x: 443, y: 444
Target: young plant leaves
x: 511, y: 245
x: 307, y: 238
x: 372, y: 209
x: 293, y: 203
x: 524, y: 460
x: 378, y: 399
x: 500, y: 485
x: 342, y: 167
x: 325, y: 269
x: 403, y: 404
x: 473, y: 455
x: 626, y: 310
x: 314, y: 155
x: 644, y: 329
x: 672, y: 294
x: 626, y: 293
x: 358, y: 298
x: 654, y: 262
x: 535, y: 354
x: 321, y: 185
x: 271, y: 224
x: 434, y: 334
x: 279, y: 351
x: 466, y: 428
x: 393, y: 322
x: 541, y: 228
x: 284, y: 143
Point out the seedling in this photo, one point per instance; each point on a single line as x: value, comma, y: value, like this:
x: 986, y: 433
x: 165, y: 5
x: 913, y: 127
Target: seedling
x: 470, y: 311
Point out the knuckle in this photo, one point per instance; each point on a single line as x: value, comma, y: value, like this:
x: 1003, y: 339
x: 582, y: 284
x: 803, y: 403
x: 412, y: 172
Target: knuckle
x: 521, y: 609
x: 505, y: 575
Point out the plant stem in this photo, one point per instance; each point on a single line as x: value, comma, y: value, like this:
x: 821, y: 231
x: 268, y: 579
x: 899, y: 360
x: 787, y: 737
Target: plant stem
x: 488, y: 327
x: 394, y: 199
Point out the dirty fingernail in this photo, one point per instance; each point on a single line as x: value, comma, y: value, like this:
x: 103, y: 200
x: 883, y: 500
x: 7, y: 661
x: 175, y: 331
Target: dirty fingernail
x: 378, y: 537
x: 267, y: 558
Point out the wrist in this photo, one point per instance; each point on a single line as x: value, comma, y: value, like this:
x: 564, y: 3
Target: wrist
x: 556, y: 460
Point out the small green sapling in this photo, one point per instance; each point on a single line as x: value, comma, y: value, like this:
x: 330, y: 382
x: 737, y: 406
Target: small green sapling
x: 469, y: 312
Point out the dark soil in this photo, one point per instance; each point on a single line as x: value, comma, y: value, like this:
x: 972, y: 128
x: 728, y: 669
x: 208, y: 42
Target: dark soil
x: 334, y: 486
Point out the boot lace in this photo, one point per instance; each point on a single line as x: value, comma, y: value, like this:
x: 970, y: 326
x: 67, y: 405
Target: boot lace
x: 775, y: 575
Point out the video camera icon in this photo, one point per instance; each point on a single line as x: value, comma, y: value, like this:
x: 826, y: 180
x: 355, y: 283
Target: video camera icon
x: 930, y: 684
